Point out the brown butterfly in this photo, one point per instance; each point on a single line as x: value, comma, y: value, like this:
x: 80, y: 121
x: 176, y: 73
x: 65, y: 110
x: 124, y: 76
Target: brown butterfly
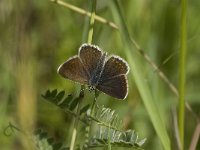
x: 92, y: 67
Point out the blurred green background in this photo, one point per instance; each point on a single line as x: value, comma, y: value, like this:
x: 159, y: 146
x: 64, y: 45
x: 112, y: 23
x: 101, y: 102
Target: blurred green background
x: 37, y: 36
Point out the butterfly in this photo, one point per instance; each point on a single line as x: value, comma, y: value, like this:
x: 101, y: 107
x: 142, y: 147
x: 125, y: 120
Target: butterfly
x: 93, y: 67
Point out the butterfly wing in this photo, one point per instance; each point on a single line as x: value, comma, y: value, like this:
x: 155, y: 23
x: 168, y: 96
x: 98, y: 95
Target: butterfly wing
x: 113, y: 80
x: 114, y: 66
x: 73, y: 69
x: 116, y: 87
x: 90, y: 56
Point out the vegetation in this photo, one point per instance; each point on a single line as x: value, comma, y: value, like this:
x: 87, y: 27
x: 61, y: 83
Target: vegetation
x: 41, y: 110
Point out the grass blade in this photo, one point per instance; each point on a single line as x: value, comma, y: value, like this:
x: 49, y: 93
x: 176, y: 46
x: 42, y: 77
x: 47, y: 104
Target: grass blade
x: 143, y: 88
x: 182, y: 60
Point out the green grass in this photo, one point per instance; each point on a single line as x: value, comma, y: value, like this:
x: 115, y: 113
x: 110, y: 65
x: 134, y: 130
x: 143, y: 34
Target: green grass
x: 137, y: 72
x: 40, y: 35
x: 182, y: 66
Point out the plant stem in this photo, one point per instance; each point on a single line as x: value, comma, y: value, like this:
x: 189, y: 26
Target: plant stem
x: 109, y: 144
x: 74, y: 133
x: 84, y: 12
x: 182, y: 60
x: 89, y: 41
x: 92, y: 19
x: 90, y: 37
x: 195, y: 138
x: 93, y: 104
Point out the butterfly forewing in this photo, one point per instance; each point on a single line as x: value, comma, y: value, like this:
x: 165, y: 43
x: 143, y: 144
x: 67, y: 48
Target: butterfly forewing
x: 116, y: 87
x: 90, y: 56
x: 113, y: 80
x: 114, y: 66
x: 73, y: 69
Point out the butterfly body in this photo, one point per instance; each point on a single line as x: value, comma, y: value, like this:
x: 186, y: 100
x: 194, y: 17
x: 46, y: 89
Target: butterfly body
x: 94, y: 68
x: 95, y: 77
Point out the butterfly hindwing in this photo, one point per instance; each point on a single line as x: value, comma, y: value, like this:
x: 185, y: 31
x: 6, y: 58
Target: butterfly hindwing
x: 90, y: 56
x: 73, y: 69
x: 116, y: 87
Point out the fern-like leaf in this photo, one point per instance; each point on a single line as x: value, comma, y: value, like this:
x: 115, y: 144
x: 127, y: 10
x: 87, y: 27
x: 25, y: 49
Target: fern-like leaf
x: 110, y: 131
x: 107, y: 117
x: 105, y: 135
x: 43, y: 142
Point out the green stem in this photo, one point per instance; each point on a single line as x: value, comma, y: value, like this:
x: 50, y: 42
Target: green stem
x: 74, y: 133
x: 84, y: 12
x: 109, y: 144
x: 81, y: 95
x: 90, y: 35
x: 93, y: 103
x: 89, y: 41
x: 92, y: 19
x: 182, y: 60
